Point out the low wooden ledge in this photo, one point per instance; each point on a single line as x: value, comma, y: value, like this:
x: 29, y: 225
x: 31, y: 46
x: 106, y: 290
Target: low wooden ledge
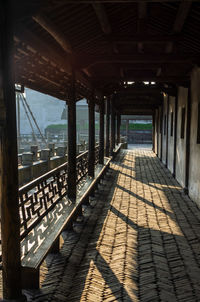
x: 40, y: 240
x: 117, y: 150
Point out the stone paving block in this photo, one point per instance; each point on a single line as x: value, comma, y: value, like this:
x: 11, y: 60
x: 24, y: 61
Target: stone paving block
x: 140, y: 241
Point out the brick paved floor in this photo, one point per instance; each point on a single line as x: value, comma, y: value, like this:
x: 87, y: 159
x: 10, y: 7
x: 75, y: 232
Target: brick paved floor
x: 141, y: 241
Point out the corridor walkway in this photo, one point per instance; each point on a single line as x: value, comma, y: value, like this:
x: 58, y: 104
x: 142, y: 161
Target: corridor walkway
x: 141, y: 241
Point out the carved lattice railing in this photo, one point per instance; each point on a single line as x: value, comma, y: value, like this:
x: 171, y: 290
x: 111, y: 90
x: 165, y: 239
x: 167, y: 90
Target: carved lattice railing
x: 37, y: 198
x: 96, y: 154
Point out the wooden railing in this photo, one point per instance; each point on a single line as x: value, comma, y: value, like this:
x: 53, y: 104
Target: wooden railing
x: 96, y: 154
x: 82, y: 166
x: 39, y: 196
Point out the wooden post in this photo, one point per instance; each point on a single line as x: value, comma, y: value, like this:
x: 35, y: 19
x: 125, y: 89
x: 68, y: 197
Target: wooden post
x: 127, y: 129
x: 161, y: 130
x: 10, y: 221
x: 157, y: 123
x: 72, y: 140
x: 91, y: 151
x: 188, y: 128
x: 175, y: 132
x: 107, y: 126
x: 153, y: 132
x: 118, y: 128
x: 167, y: 131
x: 112, y: 128
x: 101, y: 133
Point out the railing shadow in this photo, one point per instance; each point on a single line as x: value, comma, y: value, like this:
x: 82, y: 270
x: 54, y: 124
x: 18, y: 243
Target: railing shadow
x: 162, y: 257
x: 93, y: 254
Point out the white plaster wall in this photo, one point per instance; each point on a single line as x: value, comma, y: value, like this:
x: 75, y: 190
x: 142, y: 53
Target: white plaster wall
x: 164, y: 135
x: 194, y: 170
x: 171, y: 138
x: 181, y: 143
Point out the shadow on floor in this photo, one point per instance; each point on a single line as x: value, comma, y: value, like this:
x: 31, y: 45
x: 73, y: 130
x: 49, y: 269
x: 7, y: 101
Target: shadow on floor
x: 167, y: 265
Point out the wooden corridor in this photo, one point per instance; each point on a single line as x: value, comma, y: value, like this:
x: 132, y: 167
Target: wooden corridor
x: 139, y: 242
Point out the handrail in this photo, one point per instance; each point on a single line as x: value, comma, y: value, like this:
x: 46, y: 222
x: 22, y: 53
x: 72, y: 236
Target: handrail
x: 35, y: 182
x: 39, y: 196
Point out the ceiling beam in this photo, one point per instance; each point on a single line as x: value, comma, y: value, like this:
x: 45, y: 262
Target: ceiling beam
x: 56, y: 34
x: 48, y: 25
x: 141, y: 24
x: 162, y: 79
x: 87, y: 61
x: 145, y: 90
x: 182, y: 14
x: 135, y: 101
x: 52, y: 53
x: 137, y: 106
x: 116, y: 1
x: 145, y: 38
x: 102, y: 17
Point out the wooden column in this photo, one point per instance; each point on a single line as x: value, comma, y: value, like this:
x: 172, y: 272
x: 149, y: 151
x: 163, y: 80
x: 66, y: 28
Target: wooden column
x: 107, y: 126
x: 101, y: 133
x: 161, y: 130
x: 157, y: 127
x: 167, y: 131
x: 175, y: 132
x: 127, y: 129
x: 153, y: 132
x: 72, y: 141
x: 112, y: 127
x: 10, y: 221
x: 91, y: 151
x: 118, y: 128
x: 188, y: 128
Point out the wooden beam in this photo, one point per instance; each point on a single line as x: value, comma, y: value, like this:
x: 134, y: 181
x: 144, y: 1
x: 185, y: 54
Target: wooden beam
x: 146, y: 90
x: 49, y: 53
x: 136, y: 106
x: 145, y: 38
x: 182, y: 14
x: 117, y: 1
x: 52, y: 29
x: 163, y: 79
x: 52, y: 53
x: 136, y: 112
x: 141, y: 24
x: 58, y: 36
x: 87, y: 61
x: 102, y: 17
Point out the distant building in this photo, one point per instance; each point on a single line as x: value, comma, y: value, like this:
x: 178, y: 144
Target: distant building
x: 137, y: 128
x: 51, y: 115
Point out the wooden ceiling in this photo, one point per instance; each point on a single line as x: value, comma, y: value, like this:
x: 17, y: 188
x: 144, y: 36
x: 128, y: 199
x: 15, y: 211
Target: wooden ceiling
x: 108, y: 43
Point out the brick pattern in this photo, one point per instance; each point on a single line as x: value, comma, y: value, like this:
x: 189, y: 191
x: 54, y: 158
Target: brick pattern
x: 140, y: 242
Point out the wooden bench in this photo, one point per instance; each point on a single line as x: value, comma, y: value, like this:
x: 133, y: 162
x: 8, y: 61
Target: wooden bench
x: 43, y: 237
x: 116, y: 150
